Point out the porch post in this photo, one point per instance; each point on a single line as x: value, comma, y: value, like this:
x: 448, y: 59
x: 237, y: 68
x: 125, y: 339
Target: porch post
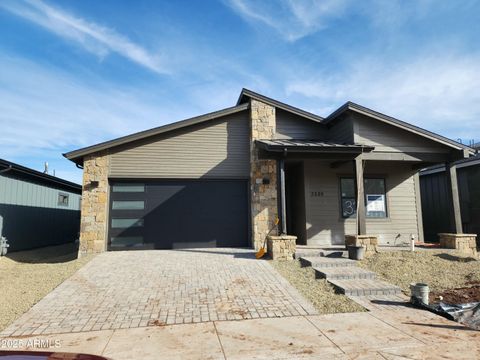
x: 451, y: 171
x: 361, y: 225
x: 283, y: 203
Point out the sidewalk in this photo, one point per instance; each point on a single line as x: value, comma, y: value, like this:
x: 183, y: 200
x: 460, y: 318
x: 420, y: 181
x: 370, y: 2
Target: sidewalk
x: 388, y: 331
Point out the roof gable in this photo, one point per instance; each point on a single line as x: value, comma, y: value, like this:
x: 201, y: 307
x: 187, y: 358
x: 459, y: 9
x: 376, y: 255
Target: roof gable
x: 243, y: 104
x: 248, y: 94
x: 77, y: 155
x: 350, y: 106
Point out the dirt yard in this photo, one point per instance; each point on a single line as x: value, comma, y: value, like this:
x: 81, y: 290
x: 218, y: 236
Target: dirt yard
x: 462, y: 295
x: 321, y: 294
x: 442, y: 271
x: 27, y: 276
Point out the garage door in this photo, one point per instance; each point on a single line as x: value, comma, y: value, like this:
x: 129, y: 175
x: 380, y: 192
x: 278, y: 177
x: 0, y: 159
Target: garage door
x: 178, y: 214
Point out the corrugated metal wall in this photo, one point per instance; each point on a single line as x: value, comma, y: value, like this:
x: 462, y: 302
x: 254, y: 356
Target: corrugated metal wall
x: 435, y: 206
x: 28, y: 227
x: 32, y: 215
x: 436, y: 203
x: 16, y: 191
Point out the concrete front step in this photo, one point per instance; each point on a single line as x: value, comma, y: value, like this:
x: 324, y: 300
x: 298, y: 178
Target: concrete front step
x: 299, y: 253
x: 365, y: 287
x: 326, y: 262
x: 343, y: 273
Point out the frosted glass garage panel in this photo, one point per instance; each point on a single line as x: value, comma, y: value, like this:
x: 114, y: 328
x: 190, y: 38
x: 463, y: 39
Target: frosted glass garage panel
x: 126, y: 223
x: 128, y: 205
x: 127, y: 241
x: 128, y: 188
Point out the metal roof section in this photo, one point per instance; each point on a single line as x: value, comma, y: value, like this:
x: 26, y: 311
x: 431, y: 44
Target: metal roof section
x: 395, y: 122
x: 245, y: 93
x: 7, y: 166
x: 311, y: 146
x: 77, y: 155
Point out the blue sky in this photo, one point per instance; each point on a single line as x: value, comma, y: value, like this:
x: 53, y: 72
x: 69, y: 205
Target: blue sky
x: 75, y: 73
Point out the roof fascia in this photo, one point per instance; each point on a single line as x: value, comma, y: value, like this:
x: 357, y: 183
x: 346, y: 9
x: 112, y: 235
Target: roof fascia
x: 37, y: 174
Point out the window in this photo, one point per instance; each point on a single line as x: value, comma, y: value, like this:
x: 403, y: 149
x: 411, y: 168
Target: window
x: 375, y: 197
x: 127, y: 241
x: 128, y: 205
x: 349, y: 204
x: 375, y: 204
x: 126, y: 223
x: 62, y: 199
x: 128, y: 188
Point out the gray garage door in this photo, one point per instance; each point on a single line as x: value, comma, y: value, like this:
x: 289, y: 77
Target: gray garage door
x: 178, y: 214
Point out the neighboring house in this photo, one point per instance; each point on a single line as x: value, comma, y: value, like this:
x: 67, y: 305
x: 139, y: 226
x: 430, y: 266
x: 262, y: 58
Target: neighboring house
x: 436, y: 200
x: 37, y: 209
x: 222, y: 178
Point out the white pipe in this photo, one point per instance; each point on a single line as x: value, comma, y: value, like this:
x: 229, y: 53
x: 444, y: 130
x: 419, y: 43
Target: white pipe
x: 412, y: 242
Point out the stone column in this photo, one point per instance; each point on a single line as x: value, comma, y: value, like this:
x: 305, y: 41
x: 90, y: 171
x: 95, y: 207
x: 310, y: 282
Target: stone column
x: 281, y: 247
x: 263, y: 174
x: 370, y: 242
x: 94, y: 218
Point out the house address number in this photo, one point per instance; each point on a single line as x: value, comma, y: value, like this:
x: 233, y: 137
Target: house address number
x: 316, y: 193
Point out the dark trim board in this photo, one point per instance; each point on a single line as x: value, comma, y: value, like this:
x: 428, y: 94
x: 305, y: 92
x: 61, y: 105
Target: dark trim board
x: 8, y: 168
x: 181, y: 213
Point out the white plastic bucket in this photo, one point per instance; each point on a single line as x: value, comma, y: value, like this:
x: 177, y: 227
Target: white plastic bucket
x: 420, y: 291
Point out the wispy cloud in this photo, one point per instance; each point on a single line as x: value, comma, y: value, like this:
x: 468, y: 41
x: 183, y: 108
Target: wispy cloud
x: 292, y: 19
x: 45, y: 111
x: 437, y: 92
x: 92, y: 37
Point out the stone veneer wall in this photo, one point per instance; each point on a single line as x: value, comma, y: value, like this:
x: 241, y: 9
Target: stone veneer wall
x: 264, y: 196
x: 281, y: 247
x: 93, y: 228
x: 370, y: 242
x: 464, y: 243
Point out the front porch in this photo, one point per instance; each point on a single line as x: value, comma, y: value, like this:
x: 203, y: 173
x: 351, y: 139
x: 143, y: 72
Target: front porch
x: 327, y: 191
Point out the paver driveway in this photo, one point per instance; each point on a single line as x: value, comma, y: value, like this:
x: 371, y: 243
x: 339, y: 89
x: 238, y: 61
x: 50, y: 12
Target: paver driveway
x: 148, y: 288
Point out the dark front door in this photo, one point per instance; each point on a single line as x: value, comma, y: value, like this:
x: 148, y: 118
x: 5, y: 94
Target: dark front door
x: 179, y: 214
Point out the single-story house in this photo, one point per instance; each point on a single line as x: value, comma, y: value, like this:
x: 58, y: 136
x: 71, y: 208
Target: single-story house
x: 221, y: 179
x: 436, y: 202
x: 37, y: 209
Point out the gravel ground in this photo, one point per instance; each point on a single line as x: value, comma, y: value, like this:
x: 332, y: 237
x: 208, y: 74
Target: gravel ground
x: 438, y: 269
x: 319, y: 292
x: 27, y: 276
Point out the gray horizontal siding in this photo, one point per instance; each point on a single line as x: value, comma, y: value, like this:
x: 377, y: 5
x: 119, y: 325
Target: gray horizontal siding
x: 324, y: 222
x: 291, y: 126
x: 214, y: 149
x: 341, y: 131
x: 20, y: 192
x: 391, y: 139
